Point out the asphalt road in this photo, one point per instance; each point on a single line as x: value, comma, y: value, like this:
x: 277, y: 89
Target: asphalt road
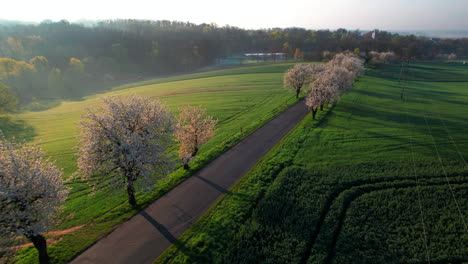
x: 146, y: 235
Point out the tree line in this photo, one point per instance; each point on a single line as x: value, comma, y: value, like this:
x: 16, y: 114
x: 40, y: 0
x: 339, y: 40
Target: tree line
x: 37, y: 79
x: 62, y: 59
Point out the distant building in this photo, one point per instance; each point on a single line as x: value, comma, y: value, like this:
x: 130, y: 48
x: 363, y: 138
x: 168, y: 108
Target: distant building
x: 253, y: 57
x: 370, y: 35
x: 267, y: 56
x: 108, y: 77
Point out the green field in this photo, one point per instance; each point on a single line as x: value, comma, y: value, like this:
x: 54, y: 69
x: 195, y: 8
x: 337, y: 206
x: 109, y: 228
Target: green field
x: 241, y: 99
x: 379, y: 178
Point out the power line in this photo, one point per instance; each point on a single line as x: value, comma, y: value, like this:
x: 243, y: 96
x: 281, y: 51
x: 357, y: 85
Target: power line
x: 445, y: 173
x: 428, y: 255
x: 451, y: 139
x: 443, y: 169
x: 419, y: 194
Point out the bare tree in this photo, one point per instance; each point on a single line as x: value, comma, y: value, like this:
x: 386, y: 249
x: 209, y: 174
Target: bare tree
x: 31, y: 192
x: 193, y: 129
x: 296, y: 77
x: 127, y: 141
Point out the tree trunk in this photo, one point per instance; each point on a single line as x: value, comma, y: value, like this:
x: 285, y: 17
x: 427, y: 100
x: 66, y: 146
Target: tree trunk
x: 297, y: 93
x: 41, y: 245
x: 313, y: 113
x: 195, y: 151
x: 186, y: 166
x: 321, y: 107
x: 131, y: 193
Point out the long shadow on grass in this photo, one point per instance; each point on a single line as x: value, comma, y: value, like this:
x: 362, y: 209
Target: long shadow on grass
x: 402, y: 139
x: 418, y: 91
x: 387, y: 72
x: 367, y: 133
x: 418, y: 73
x: 388, y: 115
x: 414, y: 92
x: 378, y: 95
x: 18, y: 129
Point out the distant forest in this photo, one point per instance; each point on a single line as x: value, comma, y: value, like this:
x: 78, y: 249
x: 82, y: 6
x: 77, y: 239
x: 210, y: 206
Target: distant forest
x: 61, y: 59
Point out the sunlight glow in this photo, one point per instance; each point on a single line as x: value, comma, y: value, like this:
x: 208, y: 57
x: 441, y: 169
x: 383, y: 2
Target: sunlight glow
x: 312, y: 14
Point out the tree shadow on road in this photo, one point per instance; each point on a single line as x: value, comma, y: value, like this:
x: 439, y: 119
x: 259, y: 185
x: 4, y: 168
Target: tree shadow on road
x: 212, y: 184
x: 168, y: 235
x: 161, y: 228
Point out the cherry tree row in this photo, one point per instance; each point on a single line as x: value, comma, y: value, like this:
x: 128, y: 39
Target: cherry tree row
x: 324, y: 83
x: 125, y: 143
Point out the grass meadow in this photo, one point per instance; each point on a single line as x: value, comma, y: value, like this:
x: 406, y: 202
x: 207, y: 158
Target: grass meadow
x: 381, y: 177
x: 241, y: 99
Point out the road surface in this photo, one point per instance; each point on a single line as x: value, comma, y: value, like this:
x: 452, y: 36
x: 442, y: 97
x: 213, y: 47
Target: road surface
x: 146, y: 235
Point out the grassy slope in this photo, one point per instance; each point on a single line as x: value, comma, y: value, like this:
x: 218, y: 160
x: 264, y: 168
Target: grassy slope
x: 242, y: 99
x: 349, y: 186
x: 225, y: 93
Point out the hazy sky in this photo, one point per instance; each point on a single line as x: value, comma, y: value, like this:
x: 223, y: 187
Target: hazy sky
x: 312, y: 14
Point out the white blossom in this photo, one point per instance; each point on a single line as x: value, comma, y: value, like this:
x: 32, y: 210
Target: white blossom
x: 387, y: 57
x: 31, y: 192
x: 332, y: 81
x: 377, y: 58
x: 193, y: 129
x: 126, y: 140
x: 296, y: 77
x: 349, y: 61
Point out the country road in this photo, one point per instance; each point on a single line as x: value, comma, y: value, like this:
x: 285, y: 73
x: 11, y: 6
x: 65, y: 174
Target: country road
x: 146, y: 235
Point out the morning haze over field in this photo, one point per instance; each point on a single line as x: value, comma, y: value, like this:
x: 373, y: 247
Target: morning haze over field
x: 399, y: 15
x: 234, y: 132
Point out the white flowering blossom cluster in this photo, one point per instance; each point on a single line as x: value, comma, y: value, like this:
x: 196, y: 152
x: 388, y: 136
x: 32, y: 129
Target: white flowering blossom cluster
x: 377, y: 58
x: 193, y: 129
x: 296, y: 77
x: 124, y: 142
x: 349, y: 61
x: 336, y: 78
x: 127, y: 140
x: 31, y: 192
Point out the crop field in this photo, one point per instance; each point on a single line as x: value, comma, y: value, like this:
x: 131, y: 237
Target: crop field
x: 241, y: 99
x: 381, y: 177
